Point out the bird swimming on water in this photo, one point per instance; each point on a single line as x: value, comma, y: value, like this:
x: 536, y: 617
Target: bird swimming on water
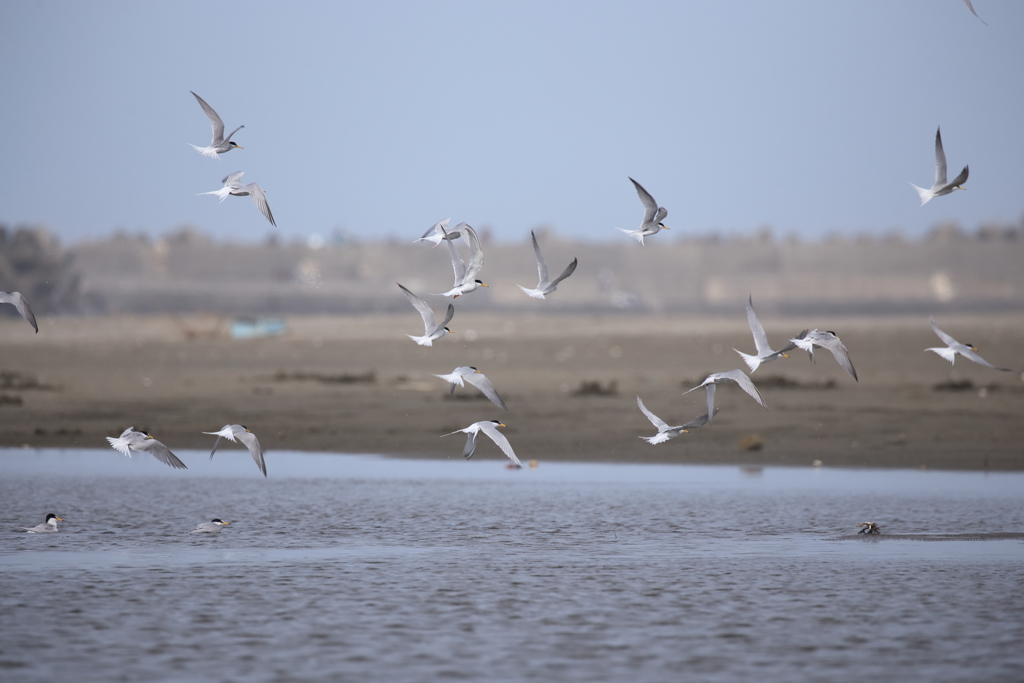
x: 47, y: 527
x: 211, y: 527
x: 869, y: 528
x: 219, y: 144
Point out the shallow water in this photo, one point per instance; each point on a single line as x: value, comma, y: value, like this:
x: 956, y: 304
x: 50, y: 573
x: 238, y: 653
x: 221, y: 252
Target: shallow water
x: 358, y: 568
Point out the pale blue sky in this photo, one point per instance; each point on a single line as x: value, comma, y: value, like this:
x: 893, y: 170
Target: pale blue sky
x: 381, y: 118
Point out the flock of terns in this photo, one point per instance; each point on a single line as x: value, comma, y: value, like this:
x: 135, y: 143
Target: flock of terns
x: 466, y: 281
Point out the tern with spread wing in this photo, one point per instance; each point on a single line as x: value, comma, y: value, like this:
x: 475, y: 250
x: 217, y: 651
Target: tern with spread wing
x: 220, y: 144
x: 664, y: 431
x: 47, y: 527
x: 439, y: 232
x: 468, y: 373
x: 953, y: 347
x: 826, y: 340
x: 211, y: 527
x: 490, y: 428
x: 18, y: 301
x: 653, y: 216
x: 941, y: 187
x: 234, y: 187
x: 465, y: 275
x: 764, y: 351
x: 545, y: 286
x: 431, y: 330
x: 971, y: 7
x: 737, y: 376
x: 131, y: 440
x: 242, y: 434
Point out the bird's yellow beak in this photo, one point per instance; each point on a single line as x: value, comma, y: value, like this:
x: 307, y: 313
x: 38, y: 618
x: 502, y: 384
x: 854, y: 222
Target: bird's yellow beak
x: 150, y: 436
x: 239, y: 146
x: 664, y: 227
x: 785, y: 355
x: 59, y: 519
x: 974, y: 348
x: 501, y: 424
x: 686, y: 431
x: 483, y: 285
x: 226, y: 523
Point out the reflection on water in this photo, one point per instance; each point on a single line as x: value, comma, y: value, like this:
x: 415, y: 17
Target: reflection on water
x: 362, y: 568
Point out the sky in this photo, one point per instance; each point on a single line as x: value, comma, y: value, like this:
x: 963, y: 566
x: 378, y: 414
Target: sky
x: 378, y: 119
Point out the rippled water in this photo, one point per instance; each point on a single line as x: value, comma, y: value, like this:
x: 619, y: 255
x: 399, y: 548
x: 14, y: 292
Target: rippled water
x: 350, y: 568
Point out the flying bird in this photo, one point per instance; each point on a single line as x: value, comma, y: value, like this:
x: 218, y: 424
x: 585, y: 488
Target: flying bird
x: 233, y: 187
x: 971, y: 7
x: 826, y: 340
x: 764, y: 351
x: 653, y: 216
x: 21, y: 304
x: 490, y: 428
x: 940, y: 187
x: 212, y: 527
x: 437, y: 233
x: 247, y: 438
x: 131, y: 440
x: 220, y: 144
x: 664, y: 431
x: 468, y: 373
x: 953, y: 347
x: 545, y: 286
x: 737, y: 376
x: 465, y: 276
x: 47, y: 527
x: 432, y: 331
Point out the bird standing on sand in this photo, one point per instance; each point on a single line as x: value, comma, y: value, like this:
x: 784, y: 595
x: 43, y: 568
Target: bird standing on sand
x: 737, y: 376
x: 131, y: 440
x: 653, y: 216
x: 19, y: 302
x: 664, y: 431
x: 826, y: 340
x: 47, y: 527
x: 490, y: 428
x: 219, y: 144
x: 465, y: 275
x: 941, y: 187
x: 234, y: 187
x: 545, y: 286
x: 247, y: 438
x: 432, y: 331
x: 953, y: 347
x: 467, y: 373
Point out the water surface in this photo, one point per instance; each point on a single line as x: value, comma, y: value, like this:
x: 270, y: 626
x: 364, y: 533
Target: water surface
x: 364, y: 568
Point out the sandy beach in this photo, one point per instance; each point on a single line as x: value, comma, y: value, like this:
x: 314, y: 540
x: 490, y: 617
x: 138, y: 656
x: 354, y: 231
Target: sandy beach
x: 358, y: 384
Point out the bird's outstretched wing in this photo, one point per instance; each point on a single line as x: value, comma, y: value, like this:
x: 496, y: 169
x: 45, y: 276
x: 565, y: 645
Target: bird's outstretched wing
x: 22, y: 305
x: 260, y: 200
x: 498, y: 438
x: 542, y: 268
x: 949, y: 341
x: 215, y: 121
x: 565, y: 273
x: 971, y: 355
x: 658, y: 423
x: 745, y: 383
x: 650, y: 206
x: 160, y: 452
x: 426, y: 313
x: 480, y: 381
x: 940, y: 160
x: 760, y: 338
